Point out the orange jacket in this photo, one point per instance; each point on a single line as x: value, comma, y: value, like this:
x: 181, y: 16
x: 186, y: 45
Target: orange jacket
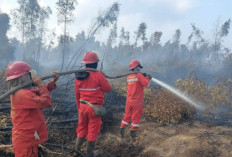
x: 91, y: 89
x: 29, y: 127
x: 135, y: 85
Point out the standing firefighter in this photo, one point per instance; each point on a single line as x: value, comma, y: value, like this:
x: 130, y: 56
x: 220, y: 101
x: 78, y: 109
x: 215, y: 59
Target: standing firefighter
x: 89, y: 88
x: 29, y: 127
x: 134, y: 103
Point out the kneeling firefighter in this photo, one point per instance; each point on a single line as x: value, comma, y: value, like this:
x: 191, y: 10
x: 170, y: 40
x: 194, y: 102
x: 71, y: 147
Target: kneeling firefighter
x: 89, y: 88
x: 135, y: 95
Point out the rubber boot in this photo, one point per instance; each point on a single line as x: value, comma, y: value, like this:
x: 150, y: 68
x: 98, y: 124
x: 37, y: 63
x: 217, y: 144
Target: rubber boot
x: 121, y: 134
x: 90, y: 148
x: 132, y: 136
x: 79, y: 142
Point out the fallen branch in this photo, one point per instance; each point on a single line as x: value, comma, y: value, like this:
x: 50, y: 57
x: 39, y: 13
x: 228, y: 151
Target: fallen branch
x: 56, y: 145
x: 5, y: 102
x: 9, y: 128
x: 6, y: 128
x: 62, y: 127
x: 65, y: 147
x: 5, y: 132
x: 48, y: 151
x: 65, y: 121
x: 7, y: 150
x: 5, y: 146
x: 4, y: 108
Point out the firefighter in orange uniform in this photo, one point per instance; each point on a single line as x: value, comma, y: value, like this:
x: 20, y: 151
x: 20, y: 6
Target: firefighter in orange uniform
x: 89, y: 88
x: 29, y: 127
x: 134, y: 103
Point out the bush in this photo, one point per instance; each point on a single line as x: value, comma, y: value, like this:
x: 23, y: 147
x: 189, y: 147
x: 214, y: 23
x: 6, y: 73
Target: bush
x: 167, y: 108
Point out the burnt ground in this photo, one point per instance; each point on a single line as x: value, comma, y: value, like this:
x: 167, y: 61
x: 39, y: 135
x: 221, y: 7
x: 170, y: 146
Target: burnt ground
x: 193, y: 138
x: 188, y: 139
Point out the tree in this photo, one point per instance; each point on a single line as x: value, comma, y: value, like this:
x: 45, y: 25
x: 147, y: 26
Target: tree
x: 21, y: 21
x: 109, y: 16
x: 43, y: 16
x: 112, y: 36
x: 219, y: 34
x: 155, y: 38
x: 176, y: 37
x: 6, y: 50
x: 228, y: 65
x: 52, y: 36
x: 141, y: 33
x: 124, y: 37
x: 65, y: 10
x: 30, y: 19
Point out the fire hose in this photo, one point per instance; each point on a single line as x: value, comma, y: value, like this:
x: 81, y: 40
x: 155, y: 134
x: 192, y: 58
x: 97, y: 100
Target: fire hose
x: 13, y: 90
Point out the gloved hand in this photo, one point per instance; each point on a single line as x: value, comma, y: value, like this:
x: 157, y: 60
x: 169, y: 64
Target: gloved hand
x: 144, y: 74
x: 149, y: 77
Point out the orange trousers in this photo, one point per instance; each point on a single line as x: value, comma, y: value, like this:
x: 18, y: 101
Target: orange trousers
x: 133, y: 112
x: 26, y: 152
x: 89, y: 124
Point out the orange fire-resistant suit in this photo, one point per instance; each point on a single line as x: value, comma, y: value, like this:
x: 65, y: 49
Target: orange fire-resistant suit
x: 134, y: 102
x: 29, y: 127
x: 90, y: 89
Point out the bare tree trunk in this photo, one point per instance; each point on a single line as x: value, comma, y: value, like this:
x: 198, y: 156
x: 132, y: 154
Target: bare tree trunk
x: 23, y: 34
x: 64, y: 44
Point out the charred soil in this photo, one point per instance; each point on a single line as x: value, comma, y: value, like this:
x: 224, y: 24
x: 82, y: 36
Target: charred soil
x: 191, y: 138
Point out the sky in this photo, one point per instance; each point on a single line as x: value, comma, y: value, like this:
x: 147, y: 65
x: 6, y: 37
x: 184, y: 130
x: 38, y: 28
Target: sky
x: 159, y: 15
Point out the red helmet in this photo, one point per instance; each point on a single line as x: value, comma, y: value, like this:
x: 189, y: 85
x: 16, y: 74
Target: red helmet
x: 17, y: 69
x: 90, y: 57
x: 134, y: 63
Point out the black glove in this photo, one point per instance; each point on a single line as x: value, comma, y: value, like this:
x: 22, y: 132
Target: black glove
x: 144, y: 74
x: 149, y: 77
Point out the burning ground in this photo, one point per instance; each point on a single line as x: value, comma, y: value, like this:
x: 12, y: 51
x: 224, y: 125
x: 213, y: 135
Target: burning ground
x: 169, y: 126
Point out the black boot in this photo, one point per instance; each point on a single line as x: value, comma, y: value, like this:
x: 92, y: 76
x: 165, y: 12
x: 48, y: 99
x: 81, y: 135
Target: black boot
x: 79, y: 142
x: 90, y: 148
x: 121, y: 134
x: 132, y: 136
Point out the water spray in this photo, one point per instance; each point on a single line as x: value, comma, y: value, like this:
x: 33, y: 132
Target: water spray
x: 198, y: 105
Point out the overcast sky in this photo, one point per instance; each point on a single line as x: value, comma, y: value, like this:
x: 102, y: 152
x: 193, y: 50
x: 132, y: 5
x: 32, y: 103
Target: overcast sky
x: 159, y: 15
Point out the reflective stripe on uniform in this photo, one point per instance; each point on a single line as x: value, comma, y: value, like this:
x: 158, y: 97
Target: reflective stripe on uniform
x: 135, y: 125
x: 125, y: 122
x: 89, y: 89
x: 131, y: 80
